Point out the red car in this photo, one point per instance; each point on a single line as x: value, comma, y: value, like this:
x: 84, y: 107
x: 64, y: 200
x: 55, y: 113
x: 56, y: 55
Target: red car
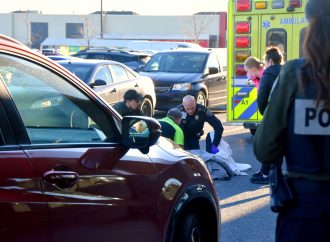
x: 71, y: 169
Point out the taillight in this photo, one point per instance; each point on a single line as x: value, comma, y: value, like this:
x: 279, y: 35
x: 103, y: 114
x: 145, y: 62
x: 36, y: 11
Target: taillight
x: 242, y: 28
x: 242, y: 42
x: 240, y: 71
x: 278, y: 4
x: 297, y: 3
x: 261, y: 5
x: 243, y: 5
x: 242, y: 55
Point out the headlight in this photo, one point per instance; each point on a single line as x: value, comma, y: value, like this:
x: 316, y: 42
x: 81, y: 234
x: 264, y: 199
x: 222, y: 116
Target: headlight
x: 182, y: 86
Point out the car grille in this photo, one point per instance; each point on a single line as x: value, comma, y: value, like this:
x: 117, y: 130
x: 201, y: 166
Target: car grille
x: 162, y: 88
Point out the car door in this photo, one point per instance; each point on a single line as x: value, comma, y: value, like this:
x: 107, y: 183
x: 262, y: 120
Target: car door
x: 123, y: 82
x: 96, y: 189
x: 109, y: 91
x: 214, y: 82
x: 23, y: 207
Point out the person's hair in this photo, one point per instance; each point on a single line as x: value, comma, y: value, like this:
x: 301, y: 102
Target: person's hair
x: 253, y: 62
x: 131, y: 94
x: 274, y: 53
x: 174, y: 113
x: 317, y: 50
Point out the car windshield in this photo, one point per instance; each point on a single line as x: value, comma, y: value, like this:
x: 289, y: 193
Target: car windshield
x: 177, y: 62
x: 82, y: 71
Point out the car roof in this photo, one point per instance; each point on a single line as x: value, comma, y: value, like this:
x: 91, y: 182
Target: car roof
x: 88, y: 62
x: 115, y: 52
x: 188, y: 50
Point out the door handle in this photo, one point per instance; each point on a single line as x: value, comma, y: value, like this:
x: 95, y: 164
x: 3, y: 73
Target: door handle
x: 113, y: 90
x: 61, y: 179
x: 136, y: 85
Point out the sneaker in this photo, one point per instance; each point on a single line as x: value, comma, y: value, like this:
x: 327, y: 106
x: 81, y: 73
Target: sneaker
x: 260, y: 179
x: 258, y: 173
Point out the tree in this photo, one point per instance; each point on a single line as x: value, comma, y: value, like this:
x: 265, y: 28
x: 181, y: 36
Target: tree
x: 89, y: 31
x: 196, y: 25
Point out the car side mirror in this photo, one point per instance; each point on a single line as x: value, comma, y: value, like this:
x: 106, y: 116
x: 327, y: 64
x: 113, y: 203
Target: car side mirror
x: 213, y: 70
x: 98, y: 82
x: 140, y: 132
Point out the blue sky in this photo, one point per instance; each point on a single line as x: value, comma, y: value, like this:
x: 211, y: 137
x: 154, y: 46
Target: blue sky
x: 144, y: 7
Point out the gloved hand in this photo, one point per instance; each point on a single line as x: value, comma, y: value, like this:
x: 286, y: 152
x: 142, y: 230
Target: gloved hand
x: 214, y: 149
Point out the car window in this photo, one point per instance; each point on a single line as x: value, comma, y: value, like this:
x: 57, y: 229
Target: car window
x: 130, y: 74
x: 98, y: 56
x: 123, y: 58
x: 103, y: 74
x: 213, y: 61
x: 53, y: 110
x: 177, y: 62
x: 120, y: 72
x: 82, y: 71
x: 81, y: 55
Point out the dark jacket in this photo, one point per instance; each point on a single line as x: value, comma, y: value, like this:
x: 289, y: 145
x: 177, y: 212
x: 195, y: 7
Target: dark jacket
x: 266, y: 83
x: 123, y: 110
x: 192, y: 126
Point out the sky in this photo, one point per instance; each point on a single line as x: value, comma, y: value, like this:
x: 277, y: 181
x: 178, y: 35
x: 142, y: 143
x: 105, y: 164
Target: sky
x: 143, y: 7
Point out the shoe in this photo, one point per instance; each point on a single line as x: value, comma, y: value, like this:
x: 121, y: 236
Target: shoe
x: 258, y: 173
x: 259, y: 179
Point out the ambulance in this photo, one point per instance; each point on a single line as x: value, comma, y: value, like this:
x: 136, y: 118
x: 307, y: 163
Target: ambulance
x: 254, y: 25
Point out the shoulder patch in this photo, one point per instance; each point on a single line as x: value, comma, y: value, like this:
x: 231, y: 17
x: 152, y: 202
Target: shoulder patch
x: 209, y: 113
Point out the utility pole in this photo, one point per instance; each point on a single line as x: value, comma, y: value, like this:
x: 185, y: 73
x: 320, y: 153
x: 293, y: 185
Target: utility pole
x: 101, y: 16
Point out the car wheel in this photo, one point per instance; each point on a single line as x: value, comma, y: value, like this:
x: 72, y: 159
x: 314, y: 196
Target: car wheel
x: 253, y: 131
x: 190, y: 229
x: 201, y: 98
x: 146, y: 108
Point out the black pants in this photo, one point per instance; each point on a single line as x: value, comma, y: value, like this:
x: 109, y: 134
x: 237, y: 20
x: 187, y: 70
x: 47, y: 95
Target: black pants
x: 265, y: 169
x: 307, y: 219
x: 191, y: 144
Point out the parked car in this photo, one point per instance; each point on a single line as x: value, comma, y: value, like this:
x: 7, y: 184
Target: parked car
x: 196, y: 72
x: 111, y: 80
x: 132, y: 59
x: 72, y: 169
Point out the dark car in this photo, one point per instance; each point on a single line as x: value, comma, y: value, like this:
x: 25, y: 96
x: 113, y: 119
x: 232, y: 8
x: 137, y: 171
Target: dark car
x: 71, y: 169
x: 177, y: 73
x: 132, y: 59
x: 111, y: 80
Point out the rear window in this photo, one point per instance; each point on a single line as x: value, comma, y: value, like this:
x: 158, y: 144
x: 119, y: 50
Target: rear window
x: 81, y: 71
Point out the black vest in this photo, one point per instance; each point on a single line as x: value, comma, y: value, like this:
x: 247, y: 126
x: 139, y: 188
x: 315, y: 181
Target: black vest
x: 308, y: 133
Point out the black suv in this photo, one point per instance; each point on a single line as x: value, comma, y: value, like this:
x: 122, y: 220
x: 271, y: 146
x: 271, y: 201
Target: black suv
x: 177, y: 73
x: 132, y: 59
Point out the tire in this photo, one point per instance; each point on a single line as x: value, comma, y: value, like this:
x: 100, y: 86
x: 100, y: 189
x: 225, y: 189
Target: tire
x: 190, y: 229
x: 253, y: 131
x: 147, y: 108
x: 201, y: 98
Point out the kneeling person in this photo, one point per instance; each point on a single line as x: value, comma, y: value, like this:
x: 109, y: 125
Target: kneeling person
x: 170, y: 126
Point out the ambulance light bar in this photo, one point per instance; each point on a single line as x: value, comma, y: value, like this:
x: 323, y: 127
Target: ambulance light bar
x: 242, y: 28
x: 243, y: 5
x: 296, y: 3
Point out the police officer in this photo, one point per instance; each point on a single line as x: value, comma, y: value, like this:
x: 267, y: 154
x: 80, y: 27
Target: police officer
x: 296, y: 124
x: 192, y: 123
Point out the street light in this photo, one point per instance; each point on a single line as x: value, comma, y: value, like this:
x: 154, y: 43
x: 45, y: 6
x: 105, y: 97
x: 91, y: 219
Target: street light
x: 101, y: 16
